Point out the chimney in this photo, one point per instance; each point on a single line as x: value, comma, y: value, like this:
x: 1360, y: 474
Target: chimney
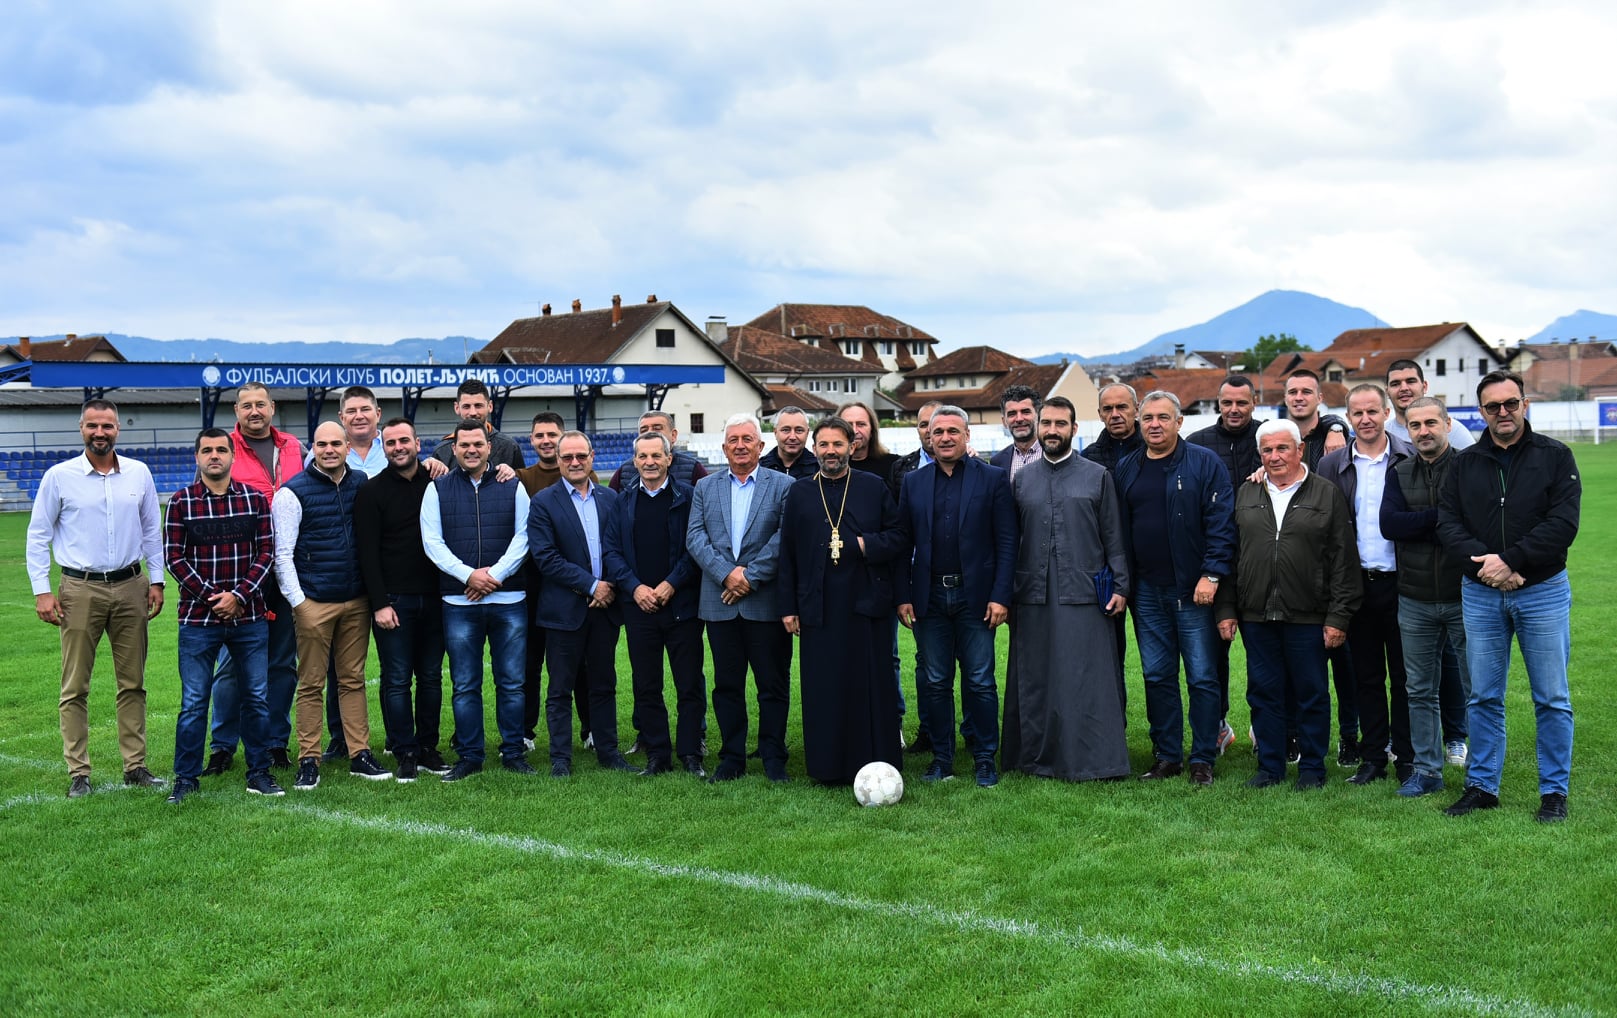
x: 25, y: 346
x: 651, y: 298
x: 578, y: 305
x: 545, y: 311
x: 71, y: 337
x: 1179, y: 356
x: 718, y: 330
x: 1572, y: 349
x: 617, y: 309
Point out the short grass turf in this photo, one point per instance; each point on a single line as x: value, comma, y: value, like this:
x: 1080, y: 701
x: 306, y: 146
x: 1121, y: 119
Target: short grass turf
x: 619, y: 895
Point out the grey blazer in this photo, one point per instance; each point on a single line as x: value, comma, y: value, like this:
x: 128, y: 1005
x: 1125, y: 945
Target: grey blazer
x: 708, y: 539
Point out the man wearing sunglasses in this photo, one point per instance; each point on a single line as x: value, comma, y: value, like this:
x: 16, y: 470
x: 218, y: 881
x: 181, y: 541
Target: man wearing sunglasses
x: 1509, y: 511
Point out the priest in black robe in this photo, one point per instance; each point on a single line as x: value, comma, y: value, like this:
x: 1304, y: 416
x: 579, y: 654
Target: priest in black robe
x: 839, y: 541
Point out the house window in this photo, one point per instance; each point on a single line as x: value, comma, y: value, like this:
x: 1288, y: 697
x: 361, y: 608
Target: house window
x: 918, y: 348
x: 887, y: 347
x: 696, y: 424
x: 851, y: 347
x: 1441, y: 369
x: 1482, y: 365
x: 1333, y: 375
x: 665, y: 338
x: 850, y: 385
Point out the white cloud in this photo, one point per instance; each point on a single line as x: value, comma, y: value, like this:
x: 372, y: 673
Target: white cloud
x: 1063, y: 177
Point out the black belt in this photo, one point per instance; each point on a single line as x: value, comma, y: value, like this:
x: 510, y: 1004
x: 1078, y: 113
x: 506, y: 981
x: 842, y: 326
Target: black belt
x: 948, y: 580
x: 1378, y: 574
x: 116, y: 576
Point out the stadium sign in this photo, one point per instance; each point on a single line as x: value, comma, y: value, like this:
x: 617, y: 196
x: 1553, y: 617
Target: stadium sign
x: 335, y: 376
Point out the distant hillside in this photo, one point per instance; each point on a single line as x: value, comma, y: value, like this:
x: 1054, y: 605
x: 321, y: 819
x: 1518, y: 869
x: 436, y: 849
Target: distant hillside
x: 448, y: 350
x: 1315, y: 321
x: 1579, y: 325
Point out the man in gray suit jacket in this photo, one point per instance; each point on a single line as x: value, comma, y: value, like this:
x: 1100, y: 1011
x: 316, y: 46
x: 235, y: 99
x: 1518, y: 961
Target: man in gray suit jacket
x: 734, y: 537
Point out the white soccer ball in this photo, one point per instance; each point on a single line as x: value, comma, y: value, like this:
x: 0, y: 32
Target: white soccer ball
x: 878, y: 784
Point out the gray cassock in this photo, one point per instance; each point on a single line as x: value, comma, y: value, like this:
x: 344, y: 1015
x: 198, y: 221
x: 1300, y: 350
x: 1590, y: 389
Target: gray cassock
x: 1063, y: 709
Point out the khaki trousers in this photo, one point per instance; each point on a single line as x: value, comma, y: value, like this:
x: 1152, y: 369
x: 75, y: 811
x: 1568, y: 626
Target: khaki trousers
x: 117, y: 610
x: 339, y: 632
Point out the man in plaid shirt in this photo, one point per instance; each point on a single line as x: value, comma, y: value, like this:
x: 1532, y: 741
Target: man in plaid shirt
x: 218, y: 544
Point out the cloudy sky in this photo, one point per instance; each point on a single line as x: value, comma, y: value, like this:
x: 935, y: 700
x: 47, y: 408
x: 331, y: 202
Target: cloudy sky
x: 1035, y: 176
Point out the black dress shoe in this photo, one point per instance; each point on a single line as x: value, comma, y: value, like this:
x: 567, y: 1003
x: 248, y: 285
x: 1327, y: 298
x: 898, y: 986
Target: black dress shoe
x: 922, y: 743
x: 518, y: 765
x: 775, y: 770
x: 1263, y: 779
x: 218, y: 762
x: 1551, y: 808
x: 561, y: 769
x: 1471, y: 800
x: 693, y: 765
x: 656, y: 766
x: 614, y: 761
x: 1367, y: 773
x: 1163, y: 769
x: 1310, y: 782
x: 1201, y: 775
x: 727, y: 772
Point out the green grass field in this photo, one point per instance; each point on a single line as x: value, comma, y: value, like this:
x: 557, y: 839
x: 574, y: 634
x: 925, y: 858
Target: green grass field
x: 614, y: 894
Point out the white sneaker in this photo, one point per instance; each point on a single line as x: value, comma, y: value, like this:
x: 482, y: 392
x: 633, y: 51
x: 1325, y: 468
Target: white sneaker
x: 1456, y: 752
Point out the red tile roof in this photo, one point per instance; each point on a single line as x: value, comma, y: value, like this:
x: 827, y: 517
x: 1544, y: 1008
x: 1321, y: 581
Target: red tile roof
x: 1042, y: 378
x: 791, y: 395
x: 78, y: 348
x: 762, y: 352
x: 580, y: 337
x: 1192, y: 386
x: 971, y: 360
x: 837, y: 321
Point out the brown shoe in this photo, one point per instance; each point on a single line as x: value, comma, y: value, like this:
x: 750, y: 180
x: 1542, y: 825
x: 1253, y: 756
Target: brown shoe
x: 1162, y: 769
x: 1201, y: 775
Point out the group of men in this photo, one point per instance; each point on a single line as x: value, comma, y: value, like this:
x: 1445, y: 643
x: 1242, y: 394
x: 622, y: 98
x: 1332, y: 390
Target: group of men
x: 1304, y: 535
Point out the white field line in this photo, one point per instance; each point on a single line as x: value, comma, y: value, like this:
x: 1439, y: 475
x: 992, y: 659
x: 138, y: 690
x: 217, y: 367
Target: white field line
x: 965, y: 920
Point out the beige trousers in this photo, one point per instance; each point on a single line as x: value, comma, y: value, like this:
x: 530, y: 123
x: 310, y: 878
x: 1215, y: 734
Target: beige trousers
x: 117, y: 610
x: 338, y: 632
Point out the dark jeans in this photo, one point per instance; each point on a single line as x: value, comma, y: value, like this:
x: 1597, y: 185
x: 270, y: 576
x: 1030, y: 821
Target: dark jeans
x: 738, y: 644
x: 1169, y: 629
x: 504, y: 627
x: 1345, y: 682
x: 649, y: 638
x: 592, y: 648
x: 1287, y: 660
x: 199, y: 648
x: 947, y: 633
x: 414, y: 649
x: 1453, y: 694
x: 282, y: 679
x: 1378, y: 662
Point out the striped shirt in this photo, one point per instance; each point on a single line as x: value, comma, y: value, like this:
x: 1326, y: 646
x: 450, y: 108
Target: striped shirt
x: 214, y: 543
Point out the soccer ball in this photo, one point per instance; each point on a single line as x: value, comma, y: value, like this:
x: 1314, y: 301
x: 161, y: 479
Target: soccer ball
x: 878, y: 784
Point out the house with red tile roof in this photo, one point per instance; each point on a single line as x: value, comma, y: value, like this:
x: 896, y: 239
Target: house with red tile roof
x: 1453, y: 357
x: 855, y: 332
x: 974, y: 378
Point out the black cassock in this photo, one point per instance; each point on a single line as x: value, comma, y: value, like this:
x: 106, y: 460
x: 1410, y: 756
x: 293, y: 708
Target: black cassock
x: 845, y: 674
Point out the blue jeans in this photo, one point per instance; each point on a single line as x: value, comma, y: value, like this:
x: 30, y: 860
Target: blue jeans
x: 414, y: 649
x: 1169, y: 629
x: 1428, y: 629
x: 199, y: 648
x: 505, y: 629
x: 1285, y: 661
x: 1539, y: 617
x: 283, y: 679
x: 950, y: 632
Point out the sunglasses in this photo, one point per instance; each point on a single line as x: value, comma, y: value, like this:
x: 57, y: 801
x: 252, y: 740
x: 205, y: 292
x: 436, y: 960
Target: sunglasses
x: 574, y: 457
x: 1509, y: 406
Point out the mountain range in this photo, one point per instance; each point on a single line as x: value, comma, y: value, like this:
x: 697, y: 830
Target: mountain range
x: 1315, y: 321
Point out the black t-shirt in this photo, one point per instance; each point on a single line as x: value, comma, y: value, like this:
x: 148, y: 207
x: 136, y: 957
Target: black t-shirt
x: 1148, y: 507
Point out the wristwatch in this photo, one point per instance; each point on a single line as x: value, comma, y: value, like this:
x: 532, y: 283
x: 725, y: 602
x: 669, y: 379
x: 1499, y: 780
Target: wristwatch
x: 1209, y: 577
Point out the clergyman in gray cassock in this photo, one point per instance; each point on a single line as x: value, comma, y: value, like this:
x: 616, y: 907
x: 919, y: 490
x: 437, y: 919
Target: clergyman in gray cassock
x: 1063, y: 712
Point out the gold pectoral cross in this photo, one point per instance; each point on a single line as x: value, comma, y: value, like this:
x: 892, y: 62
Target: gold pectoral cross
x: 835, y: 546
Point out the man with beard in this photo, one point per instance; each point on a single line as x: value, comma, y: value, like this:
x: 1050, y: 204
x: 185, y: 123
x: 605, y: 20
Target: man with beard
x: 960, y: 517
x: 734, y: 537
x: 791, y: 455
x: 98, y: 513
x: 869, y: 454
x: 1234, y: 438
x: 473, y: 405
x: 1430, y: 620
x: 839, y: 538
x: 1019, y: 412
x: 1063, y: 704
x: 220, y: 546
x: 406, y: 610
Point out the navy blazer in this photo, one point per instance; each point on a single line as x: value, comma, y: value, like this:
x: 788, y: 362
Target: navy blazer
x: 684, y: 577
x: 988, y: 537
x: 558, y: 547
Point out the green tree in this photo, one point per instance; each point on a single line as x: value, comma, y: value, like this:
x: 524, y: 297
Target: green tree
x: 1267, y: 348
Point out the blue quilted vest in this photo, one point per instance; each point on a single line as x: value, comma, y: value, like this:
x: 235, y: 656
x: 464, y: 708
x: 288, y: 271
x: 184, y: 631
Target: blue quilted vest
x: 328, y: 568
x: 478, y: 524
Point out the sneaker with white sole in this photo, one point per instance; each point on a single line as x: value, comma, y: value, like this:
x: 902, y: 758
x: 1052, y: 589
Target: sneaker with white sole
x: 262, y: 784
x: 1456, y: 753
x: 308, y: 774
x: 363, y: 765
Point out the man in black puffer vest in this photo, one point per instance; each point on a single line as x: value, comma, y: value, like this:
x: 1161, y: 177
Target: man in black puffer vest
x: 318, y: 568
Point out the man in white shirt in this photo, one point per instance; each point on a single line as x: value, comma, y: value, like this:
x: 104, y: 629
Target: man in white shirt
x: 98, y: 514
x: 474, y: 528
x: 1360, y: 470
